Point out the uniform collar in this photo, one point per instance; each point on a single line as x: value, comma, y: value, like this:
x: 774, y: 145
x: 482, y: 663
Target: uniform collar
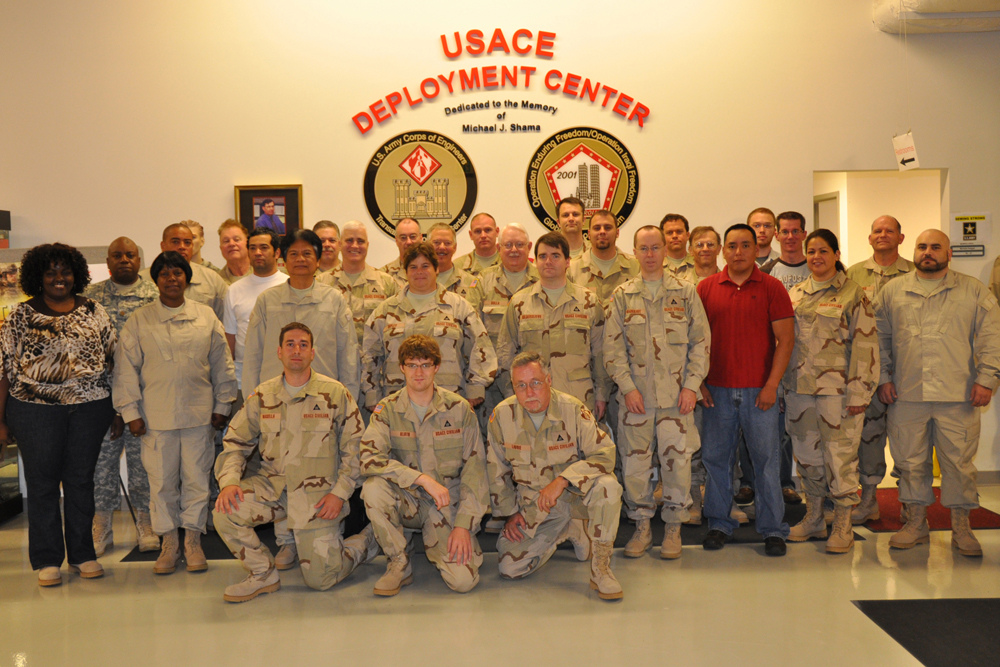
x: 809, y: 284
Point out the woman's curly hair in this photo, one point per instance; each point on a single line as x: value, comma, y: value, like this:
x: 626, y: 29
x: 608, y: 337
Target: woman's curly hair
x: 37, y: 261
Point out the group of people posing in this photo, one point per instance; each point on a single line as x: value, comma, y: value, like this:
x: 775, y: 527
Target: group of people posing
x: 438, y: 390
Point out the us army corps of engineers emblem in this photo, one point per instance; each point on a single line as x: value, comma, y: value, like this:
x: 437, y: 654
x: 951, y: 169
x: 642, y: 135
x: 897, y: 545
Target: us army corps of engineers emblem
x: 422, y: 175
x: 586, y: 163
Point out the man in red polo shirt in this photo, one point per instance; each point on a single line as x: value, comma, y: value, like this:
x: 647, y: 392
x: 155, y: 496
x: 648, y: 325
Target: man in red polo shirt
x: 753, y: 332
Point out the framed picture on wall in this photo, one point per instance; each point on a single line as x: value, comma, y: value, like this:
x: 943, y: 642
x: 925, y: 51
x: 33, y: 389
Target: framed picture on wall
x: 277, y: 207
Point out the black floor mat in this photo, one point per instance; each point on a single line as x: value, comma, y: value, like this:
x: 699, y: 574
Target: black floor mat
x: 948, y: 632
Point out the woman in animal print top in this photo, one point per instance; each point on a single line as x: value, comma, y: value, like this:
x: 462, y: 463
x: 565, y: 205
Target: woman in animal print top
x: 55, y: 398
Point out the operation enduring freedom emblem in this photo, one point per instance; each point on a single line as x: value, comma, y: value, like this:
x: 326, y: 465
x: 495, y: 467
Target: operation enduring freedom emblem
x: 586, y: 163
x: 422, y: 175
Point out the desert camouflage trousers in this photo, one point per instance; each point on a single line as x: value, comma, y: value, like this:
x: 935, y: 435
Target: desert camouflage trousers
x: 825, y: 444
x: 916, y: 429
x: 601, y: 507
x: 323, y: 558
x: 395, y: 512
x: 107, y: 495
x: 672, y: 438
x: 871, y: 453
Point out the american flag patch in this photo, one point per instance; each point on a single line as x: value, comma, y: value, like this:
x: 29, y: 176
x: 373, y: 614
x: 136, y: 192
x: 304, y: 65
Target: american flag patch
x: 378, y: 409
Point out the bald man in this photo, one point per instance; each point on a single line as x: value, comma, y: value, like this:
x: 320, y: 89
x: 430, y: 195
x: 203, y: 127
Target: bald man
x: 939, y: 341
x: 483, y: 231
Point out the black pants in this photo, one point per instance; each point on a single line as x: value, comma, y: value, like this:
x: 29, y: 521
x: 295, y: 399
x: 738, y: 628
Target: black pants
x: 59, y: 445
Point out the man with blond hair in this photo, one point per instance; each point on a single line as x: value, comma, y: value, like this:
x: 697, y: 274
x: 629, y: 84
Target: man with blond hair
x: 233, y: 246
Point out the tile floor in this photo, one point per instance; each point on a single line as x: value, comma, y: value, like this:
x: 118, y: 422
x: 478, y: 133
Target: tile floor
x: 708, y: 608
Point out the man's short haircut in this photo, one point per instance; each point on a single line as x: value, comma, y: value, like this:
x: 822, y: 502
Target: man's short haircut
x: 647, y: 228
x: 227, y: 224
x: 514, y: 226
x: 604, y: 213
x: 486, y: 215
x: 402, y: 220
x: 271, y: 235
x: 307, y: 235
x: 760, y: 209
x: 419, y: 346
x: 442, y: 225
x: 525, y: 358
x: 171, y: 259
x: 899, y: 227
x: 674, y: 217
x: 738, y: 227
x: 171, y: 227
x: 266, y: 202
x: 294, y: 326
x: 575, y: 201
x: 701, y: 231
x: 354, y: 224
x: 194, y: 225
x: 37, y: 261
x: 553, y: 240
x: 326, y: 224
x: 422, y: 249
x: 791, y: 215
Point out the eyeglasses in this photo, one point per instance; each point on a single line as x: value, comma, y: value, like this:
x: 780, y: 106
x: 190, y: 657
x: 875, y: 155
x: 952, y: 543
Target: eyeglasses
x: 519, y: 245
x: 423, y: 367
x: 648, y: 249
x: 534, y: 384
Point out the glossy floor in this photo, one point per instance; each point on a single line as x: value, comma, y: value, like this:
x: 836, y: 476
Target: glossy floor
x: 706, y: 608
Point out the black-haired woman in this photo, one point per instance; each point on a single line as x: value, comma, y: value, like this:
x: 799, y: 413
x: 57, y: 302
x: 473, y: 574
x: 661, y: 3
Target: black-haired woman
x: 55, y: 399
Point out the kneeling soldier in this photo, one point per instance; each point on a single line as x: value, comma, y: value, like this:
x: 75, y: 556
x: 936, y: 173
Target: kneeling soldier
x: 426, y: 470
x: 308, y: 429
x: 548, y: 464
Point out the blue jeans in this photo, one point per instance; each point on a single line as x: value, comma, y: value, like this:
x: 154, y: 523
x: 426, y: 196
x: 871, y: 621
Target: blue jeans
x: 785, y: 469
x: 734, y: 410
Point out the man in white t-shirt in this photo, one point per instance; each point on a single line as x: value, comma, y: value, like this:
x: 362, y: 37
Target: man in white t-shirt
x: 264, y: 250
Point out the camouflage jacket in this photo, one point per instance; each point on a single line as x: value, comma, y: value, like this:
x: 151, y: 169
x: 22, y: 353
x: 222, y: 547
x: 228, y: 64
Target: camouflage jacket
x: 492, y: 292
x: 120, y: 301
x: 569, y: 333
x: 396, y: 271
x: 687, y: 273
x: 308, y: 445
x: 585, y: 273
x: 460, y: 283
x: 446, y: 446
x: 469, y: 264
x: 836, y: 345
x: 675, y: 269
x: 468, y: 360
x: 372, y: 288
x: 521, y: 461
x: 872, y: 277
x: 658, y: 343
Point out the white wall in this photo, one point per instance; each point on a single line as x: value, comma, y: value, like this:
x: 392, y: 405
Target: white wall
x: 121, y: 117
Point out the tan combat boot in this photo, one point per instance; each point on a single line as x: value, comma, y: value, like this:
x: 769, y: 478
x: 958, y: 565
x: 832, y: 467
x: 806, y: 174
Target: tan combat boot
x: 640, y: 541
x: 914, y: 532
x: 671, y: 546
x: 363, y: 546
x: 867, y: 509
x: 397, y: 574
x: 103, y: 533
x: 252, y: 586
x: 287, y: 557
x: 576, y: 532
x: 696, y: 501
x: 812, y: 524
x: 841, y: 538
x: 602, y: 579
x: 962, y: 537
x: 90, y: 569
x: 170, y: 552
x: 148, y: 540
x: 738, y: 515
x: 193, y: 555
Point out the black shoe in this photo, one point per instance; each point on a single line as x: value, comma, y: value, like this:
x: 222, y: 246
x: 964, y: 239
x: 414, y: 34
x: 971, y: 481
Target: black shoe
x: 791, y: 497
x: 744, y: 496
x: 773, y: 546
x: 714, y: 540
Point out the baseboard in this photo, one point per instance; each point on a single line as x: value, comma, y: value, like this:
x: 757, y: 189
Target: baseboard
x: 988, y: 477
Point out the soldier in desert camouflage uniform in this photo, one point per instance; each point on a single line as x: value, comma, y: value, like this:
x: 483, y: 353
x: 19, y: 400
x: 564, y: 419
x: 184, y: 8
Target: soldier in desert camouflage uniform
x: 561, y: 321
x: 468, y: 362
x: 425, y: 437
x: 602, y: 268
x: 551, y: 473
x: 872, y: 275
x: 483, y: 231
x: 408, y: 234
x: 829, y: 382
x: 308, y: 429
x: 656, y: 349
x: 442, y: 237
x: 121, y: 295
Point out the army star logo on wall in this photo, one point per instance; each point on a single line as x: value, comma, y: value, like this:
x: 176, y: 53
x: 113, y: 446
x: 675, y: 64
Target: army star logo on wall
x: 422, y: 175
x: 586, y: 163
